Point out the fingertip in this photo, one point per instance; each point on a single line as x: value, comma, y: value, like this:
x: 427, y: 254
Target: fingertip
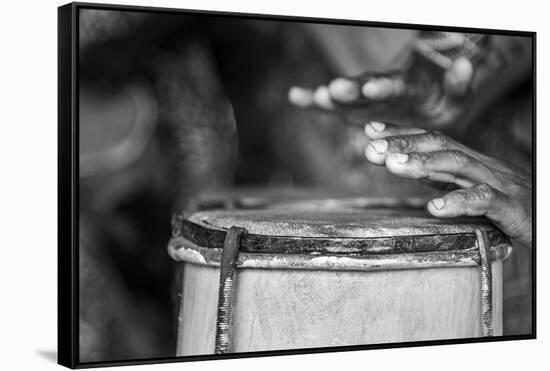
x: 434, y: 209
x: 378, y: 126
x: 374, y: 156
x: 383, y: 88
x: 322, y: 98
x: 344, y: 90
x: 445, y: 207
x: 375, y: 129
x: 371, y: 89
x: 377, y: 89
x: 438, y: 203
x: 380, y: 146
x: 459, y: 76
x: 300, y: 97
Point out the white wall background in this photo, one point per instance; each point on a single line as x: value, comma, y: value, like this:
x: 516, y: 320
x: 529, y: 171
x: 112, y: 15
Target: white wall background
x: 28, y: 181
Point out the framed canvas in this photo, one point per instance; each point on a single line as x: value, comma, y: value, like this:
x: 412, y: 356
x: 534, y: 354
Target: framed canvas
x: 240, y: 185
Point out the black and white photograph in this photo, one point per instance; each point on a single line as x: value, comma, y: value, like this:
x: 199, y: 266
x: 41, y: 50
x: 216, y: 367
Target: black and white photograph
x: 243, y: 185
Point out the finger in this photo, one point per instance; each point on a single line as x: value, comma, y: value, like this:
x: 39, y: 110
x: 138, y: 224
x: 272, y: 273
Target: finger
x: 432, y: 141
x: 301, y: 97
x: 322, y: 98
x: 380, y: 88
x: 484, y: 200
x: 425, y: 142
x: 479, y: 200
x: 343, y: 90
x: 377, y: 130
x: 440, y: 166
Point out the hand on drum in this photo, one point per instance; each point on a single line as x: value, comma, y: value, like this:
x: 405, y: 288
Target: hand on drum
x: 486, y: 187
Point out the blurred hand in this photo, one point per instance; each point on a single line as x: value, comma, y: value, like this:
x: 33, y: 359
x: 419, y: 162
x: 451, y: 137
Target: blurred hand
x: 486, y: 186
x: 421, y: 94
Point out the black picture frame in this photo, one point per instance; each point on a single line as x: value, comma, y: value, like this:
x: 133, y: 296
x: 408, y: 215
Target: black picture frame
x: 68, y: 185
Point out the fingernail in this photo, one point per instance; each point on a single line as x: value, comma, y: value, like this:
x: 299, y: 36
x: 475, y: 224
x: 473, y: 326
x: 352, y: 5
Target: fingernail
x: 380, y: 146
x: 401, y: 157
x: 378, y: 126
x: 438, y: 203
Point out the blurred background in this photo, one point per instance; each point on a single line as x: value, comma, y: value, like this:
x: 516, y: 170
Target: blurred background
x: 176, y: 108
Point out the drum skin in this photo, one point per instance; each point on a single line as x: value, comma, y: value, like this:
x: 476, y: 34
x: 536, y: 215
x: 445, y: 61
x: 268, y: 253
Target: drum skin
x: 327, y: 304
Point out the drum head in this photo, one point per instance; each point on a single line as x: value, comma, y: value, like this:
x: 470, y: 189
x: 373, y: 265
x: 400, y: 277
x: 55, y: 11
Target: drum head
x: 344, y: 230
x: 338, y: 223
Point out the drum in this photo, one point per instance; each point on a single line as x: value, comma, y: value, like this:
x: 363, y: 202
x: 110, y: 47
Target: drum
x: 290, y: 277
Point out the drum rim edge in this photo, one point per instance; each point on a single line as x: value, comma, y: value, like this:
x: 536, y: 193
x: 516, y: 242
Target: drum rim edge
x: 183, y: 250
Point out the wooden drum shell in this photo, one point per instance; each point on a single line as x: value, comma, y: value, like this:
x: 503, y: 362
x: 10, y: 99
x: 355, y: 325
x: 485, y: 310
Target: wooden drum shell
x: 279, y: 309
x: 293, y: 301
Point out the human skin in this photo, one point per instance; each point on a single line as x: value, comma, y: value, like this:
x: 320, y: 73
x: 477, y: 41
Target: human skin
x: 485, y: 186
x: 425, y: 95
x: 417, y: 96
